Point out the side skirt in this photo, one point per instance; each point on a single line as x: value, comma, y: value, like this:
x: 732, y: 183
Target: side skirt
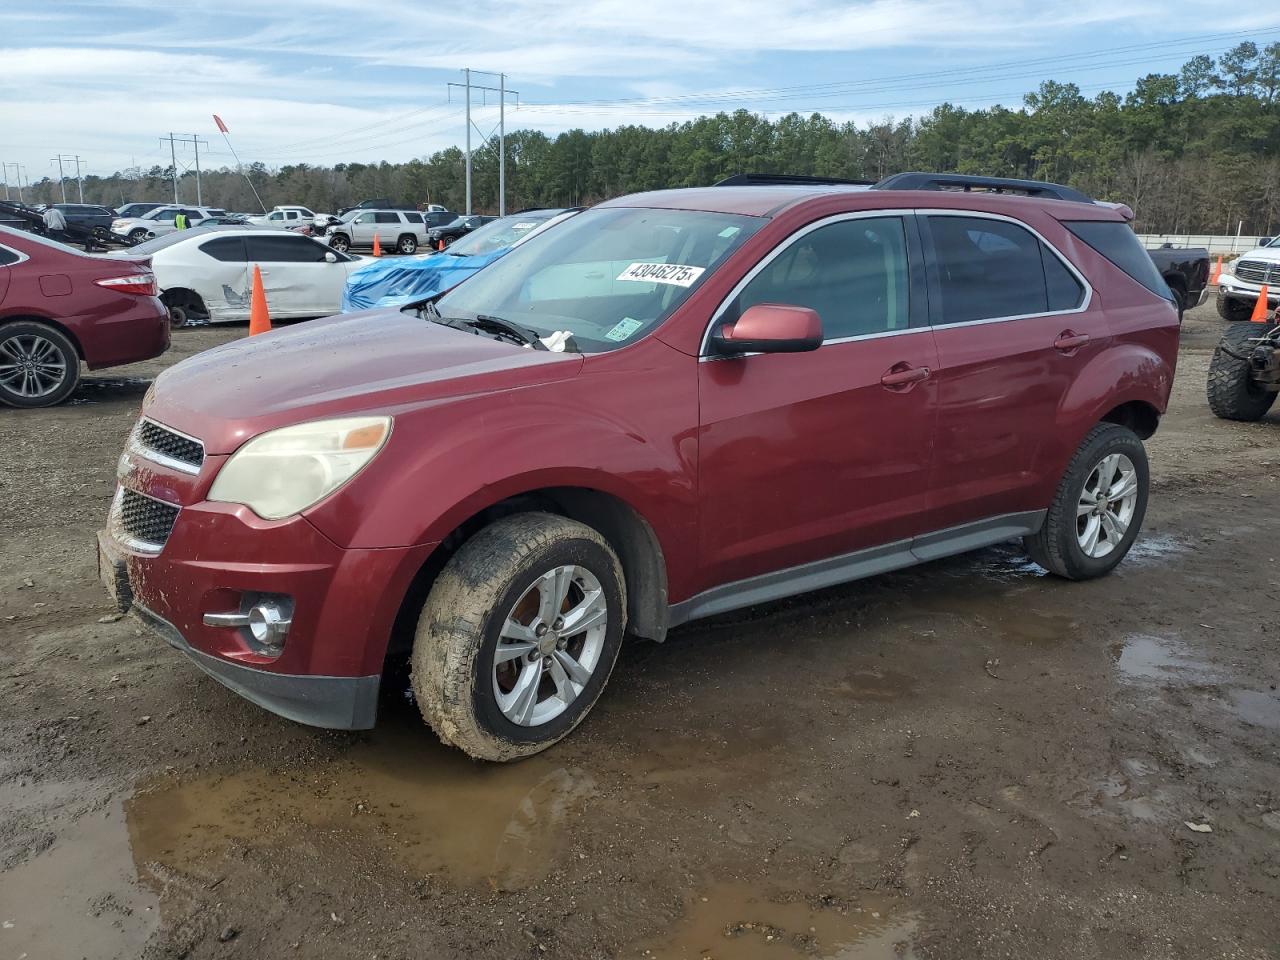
x: 855, y: 566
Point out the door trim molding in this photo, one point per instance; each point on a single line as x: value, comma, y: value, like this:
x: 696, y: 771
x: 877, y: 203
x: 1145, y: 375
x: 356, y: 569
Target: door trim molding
x: 854, y: 566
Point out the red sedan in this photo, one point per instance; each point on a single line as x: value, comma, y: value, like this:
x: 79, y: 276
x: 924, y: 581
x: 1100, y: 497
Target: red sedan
x: 59, y: 307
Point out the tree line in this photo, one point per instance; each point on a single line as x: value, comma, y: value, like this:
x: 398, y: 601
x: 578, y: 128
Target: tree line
x: 1195, y: 151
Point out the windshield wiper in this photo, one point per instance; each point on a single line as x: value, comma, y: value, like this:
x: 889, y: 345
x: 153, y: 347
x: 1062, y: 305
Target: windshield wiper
x: 496, y: 325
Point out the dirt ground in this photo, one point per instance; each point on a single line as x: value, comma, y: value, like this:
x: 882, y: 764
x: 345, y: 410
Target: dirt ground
x: 964, y: 760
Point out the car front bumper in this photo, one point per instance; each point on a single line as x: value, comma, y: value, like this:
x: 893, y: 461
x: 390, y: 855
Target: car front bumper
x: 1232, y: 286
x: 221, y: 559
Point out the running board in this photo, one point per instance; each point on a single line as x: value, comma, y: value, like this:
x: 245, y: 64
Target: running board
x: 854, y: 566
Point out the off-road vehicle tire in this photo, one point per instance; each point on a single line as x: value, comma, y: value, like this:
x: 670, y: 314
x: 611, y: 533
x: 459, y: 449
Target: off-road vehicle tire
x: 1058, y: 545
x: 494, y: 576
x: 46, y: 346
x: 1234, y: 309
x: 407, y: 244
x: 1233, y: 393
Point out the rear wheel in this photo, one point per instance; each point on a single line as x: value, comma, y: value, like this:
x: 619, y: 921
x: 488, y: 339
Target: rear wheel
x: 185, y: 308
x: 519, y: 636
x: 1098, y: 508
x: 1233, y: 308
x: 1233, y: 392
x: 39, y: 366
x: 407, y: 244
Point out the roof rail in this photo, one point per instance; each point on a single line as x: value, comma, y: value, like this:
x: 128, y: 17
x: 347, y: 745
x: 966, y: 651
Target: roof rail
x: 784, y: 179
x: 968, y: 183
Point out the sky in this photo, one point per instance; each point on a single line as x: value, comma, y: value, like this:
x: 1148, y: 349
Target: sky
x: 326, y: 81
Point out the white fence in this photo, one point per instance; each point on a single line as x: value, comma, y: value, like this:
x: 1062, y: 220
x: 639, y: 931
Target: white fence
x: 1216, y: 244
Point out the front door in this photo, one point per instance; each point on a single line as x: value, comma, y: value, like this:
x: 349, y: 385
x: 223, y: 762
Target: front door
x: 1014, y: 329
x: 810, y: 456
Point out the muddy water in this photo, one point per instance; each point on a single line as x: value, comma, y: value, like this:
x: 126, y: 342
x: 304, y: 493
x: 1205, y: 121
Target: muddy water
x: 439, y: 811
x: 738, y: 921
x: 78, y: 894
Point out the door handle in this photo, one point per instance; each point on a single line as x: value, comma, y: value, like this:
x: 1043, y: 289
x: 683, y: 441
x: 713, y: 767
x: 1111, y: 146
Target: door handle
x: 902, y: 375
x: 1069, y: 341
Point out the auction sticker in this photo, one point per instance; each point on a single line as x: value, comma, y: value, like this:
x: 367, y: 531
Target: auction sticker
x: 676, y: 274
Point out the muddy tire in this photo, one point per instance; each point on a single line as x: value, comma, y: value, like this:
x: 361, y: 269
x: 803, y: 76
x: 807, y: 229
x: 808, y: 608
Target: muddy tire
x: 39, y: 365
x: 1233, y: 392
x: 1234, y: 309
x: 1109, y: 470
x: 492, y: 630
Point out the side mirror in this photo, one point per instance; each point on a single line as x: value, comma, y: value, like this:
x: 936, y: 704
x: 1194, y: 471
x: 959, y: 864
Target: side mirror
x: 1265, y: 241
x: 330, y: 257
x: 770, y: 328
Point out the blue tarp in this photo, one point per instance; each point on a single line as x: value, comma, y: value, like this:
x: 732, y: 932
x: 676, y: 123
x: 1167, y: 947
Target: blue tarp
x: 395, y: 281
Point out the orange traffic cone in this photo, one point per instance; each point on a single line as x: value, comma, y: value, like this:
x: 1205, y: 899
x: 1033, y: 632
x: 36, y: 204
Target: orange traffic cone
x: 1217, y: 272
x: 441, y: 247
x: 1260, y: 308
x: 377, y: 247
x: 259, y: 319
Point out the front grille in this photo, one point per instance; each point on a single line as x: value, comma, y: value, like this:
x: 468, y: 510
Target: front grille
x: 1258, y: 271
x: 170, y: 445
x: 142, y: 519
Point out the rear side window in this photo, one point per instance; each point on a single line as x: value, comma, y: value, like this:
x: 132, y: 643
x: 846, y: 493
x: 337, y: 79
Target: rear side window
x: 992, y: 269
x: 853, y: 274
x: 227, y: 249
x: 285, y: 249
x: 413, y: 217
x: 1120, y: 245
x: 386, y: 218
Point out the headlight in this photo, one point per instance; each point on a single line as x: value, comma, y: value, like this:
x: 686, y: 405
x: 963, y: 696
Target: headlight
x: 284, y: 471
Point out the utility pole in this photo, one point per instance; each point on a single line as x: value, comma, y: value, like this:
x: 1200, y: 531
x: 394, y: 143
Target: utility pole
x: 79, y: 180
x: 195, y: 141
x: 62, y: 184
x: 17, y: 172
x: 173, y: 165
x: 502, y: 91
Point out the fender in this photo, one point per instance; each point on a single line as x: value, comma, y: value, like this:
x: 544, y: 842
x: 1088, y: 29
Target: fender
x: 1124, y: 372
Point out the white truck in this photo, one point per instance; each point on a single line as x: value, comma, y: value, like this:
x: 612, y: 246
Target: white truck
x: 1243, y: 279
x: 288, y: 216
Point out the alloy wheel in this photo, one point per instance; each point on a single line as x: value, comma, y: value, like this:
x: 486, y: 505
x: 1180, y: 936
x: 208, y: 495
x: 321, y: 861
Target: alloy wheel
x: 31, y: 366
x: 1106, y: 505
x: 550, y: 645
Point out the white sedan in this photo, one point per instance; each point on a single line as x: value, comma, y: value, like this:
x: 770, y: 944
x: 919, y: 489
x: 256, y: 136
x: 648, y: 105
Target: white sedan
x: 206, y: 275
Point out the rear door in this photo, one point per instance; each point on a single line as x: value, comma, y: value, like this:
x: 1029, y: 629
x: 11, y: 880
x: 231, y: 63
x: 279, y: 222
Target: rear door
x: 219, y: 274
x: 1014, y: 325
x: 815, y: 456
x: 8, y: 257
x: 298, y: 280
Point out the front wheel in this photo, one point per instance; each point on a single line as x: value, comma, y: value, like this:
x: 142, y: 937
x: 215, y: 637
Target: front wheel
x: 1098, y: 508
x: 39, y: 366
x: 1234, y: 309
x: 340, y: 242
x: 137, y: 236
x: 519, y: 635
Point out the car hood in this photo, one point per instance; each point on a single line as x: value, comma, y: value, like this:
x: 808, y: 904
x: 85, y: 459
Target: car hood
x: 1268, y: 254
x: 133, y: 222
x: 377, y: 360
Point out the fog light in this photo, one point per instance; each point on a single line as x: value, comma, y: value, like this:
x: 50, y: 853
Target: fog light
x: 268, y: 624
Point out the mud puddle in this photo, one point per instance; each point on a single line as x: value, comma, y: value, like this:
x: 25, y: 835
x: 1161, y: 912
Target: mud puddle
x: 78, y: 898
x: 740, y: 922
x: 440, y: 812
x: 1144, y: 657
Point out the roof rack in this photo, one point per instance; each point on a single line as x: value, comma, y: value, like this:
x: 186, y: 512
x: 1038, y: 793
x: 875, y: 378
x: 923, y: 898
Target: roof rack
x: 966, y: 183
x: 784, y: 179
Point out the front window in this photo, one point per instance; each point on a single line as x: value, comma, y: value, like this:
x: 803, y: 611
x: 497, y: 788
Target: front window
x: 606, y: 276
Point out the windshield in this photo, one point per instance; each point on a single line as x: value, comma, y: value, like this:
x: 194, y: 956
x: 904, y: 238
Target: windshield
x: 606, y: 276
x: 1274, y: 242
x: 500, y: 234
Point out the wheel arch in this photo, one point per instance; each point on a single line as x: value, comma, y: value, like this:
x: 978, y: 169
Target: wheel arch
x: 630, y: 535
x: 1140, y: 416
x: 48, y: 322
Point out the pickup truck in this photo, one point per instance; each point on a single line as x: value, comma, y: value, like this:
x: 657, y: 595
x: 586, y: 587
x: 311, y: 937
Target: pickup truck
x: 1186, y: 271
x: 1243, y: 280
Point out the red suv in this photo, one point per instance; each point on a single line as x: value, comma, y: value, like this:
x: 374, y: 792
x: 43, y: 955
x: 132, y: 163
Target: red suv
x: 675, y: 404
x: 59, y: 307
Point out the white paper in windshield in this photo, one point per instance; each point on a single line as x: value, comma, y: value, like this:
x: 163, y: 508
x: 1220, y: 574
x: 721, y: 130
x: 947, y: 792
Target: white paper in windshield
x: 676, y: 274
